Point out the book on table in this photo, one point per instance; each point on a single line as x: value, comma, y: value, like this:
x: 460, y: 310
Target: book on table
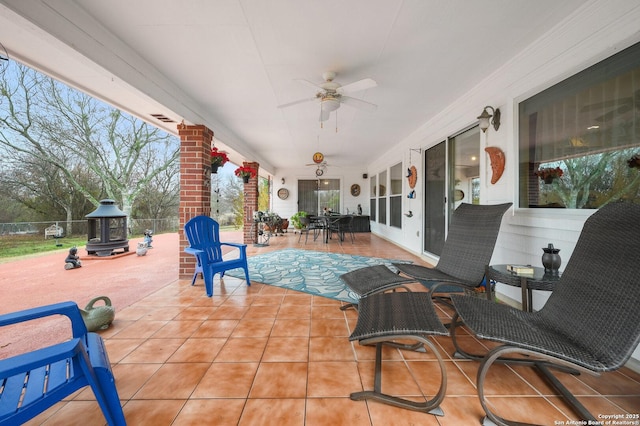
x: 520, y: 269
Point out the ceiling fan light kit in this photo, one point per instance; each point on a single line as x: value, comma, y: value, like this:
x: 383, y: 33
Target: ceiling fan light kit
x: 332, y: 95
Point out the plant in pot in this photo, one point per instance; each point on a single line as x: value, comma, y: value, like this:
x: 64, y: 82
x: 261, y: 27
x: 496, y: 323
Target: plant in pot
x: 245, y: 173
x: 218, y: 159
x: 295, y: 219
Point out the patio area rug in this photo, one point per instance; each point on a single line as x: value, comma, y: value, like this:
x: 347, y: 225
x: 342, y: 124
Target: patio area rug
x: 309, y: 271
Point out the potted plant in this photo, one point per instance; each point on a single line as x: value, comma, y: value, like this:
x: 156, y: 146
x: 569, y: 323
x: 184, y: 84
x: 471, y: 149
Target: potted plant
x: 549, y: 174
x: 218, y: 159
x: 245, y: 173
x: 295, y: 219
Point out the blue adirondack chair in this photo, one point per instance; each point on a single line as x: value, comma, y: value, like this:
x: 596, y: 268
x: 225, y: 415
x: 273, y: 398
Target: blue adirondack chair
x: 203, y: 234
x: 32, y: 382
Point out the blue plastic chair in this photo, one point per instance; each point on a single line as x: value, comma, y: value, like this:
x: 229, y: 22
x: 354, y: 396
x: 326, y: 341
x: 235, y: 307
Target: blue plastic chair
x: 203, y: 234
x: 32, y: 382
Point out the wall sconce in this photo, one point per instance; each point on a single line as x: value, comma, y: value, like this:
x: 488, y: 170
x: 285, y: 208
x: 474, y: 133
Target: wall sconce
x: 282, y: 181
x: 485, y: 116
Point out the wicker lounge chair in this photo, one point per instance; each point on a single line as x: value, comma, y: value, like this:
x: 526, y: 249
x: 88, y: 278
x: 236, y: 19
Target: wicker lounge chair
x: 468, y: 249
x: 591, y: 321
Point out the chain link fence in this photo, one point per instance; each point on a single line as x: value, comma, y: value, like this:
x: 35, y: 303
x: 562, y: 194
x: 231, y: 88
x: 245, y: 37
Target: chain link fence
x: 79, y: 227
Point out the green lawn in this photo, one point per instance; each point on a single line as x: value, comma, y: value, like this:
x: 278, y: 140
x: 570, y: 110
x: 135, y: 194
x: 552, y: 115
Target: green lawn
x: 22, y: 245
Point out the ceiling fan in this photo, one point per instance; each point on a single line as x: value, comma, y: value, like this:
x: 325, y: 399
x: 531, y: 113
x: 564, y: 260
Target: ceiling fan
x: 319, y: 162
x: 332, y: 94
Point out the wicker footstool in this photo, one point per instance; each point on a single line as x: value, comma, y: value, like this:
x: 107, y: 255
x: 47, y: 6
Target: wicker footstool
x: 384, y: 318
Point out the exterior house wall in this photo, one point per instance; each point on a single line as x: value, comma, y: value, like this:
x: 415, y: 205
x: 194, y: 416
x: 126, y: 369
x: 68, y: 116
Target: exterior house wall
x: 594, y: 32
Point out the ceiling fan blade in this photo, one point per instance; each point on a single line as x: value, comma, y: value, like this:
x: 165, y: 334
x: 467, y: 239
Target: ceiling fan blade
x: 324, y: 114
x: 358, y: 103
x: 357, y: 86
x: 308, y: 83
x: 297, y: 102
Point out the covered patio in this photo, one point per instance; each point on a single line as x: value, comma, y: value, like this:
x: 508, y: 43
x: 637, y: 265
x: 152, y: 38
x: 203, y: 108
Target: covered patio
x: 265, y: 355
x: 229, y: 75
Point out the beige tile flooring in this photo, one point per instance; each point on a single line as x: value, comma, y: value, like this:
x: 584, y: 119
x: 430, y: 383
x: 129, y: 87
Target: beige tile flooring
x: 261, y: 355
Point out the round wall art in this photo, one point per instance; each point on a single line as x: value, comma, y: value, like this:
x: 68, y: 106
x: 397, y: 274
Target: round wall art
x: 283, y: 193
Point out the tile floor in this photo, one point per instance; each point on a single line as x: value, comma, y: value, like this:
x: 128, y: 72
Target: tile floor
x: 261, y: 355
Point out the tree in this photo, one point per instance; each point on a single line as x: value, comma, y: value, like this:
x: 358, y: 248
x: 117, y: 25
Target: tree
x: 43, y: 121
x: 228, y: 199
x: 591, y: 181
x: 263, y: 194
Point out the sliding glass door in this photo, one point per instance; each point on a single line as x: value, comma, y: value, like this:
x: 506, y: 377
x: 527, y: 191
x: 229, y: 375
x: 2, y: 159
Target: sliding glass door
x: 314, y: 195
x: 452, y: 176
x: 435, y: 166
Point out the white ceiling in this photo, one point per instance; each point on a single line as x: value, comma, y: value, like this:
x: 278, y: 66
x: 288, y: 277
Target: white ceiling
x: 228, y: 64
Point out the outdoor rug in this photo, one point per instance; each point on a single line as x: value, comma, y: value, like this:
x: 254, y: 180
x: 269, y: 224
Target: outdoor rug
x: 309, y: 271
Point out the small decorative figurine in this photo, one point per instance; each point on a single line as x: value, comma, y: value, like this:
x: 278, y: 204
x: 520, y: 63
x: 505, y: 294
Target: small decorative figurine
x: 73, y: 260
x: 148, y: 233
x: 142, y: 249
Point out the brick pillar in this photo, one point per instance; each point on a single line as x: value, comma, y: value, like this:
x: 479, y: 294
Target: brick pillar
x: 250, y: 203
x: 195, y: 184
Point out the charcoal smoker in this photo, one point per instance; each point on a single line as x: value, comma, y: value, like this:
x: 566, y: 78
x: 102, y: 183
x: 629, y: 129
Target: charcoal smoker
x: 107, y: 230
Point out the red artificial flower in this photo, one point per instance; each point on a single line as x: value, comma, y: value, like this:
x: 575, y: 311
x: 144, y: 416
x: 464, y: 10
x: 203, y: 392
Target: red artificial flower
x: 245, y: 171
x: 218, y: 158
x: 549, y: 173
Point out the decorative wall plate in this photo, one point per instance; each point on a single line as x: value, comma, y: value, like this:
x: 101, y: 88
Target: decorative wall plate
x: 283, y: 193
x: 355, y: 189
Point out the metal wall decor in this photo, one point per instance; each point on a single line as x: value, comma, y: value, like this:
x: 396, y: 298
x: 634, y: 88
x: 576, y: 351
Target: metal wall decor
x: 412, y: 176
x: 412, y: 172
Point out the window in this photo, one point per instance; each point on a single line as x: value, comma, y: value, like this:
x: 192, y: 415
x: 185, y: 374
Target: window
x: 579, y: 140
x: 372, y: 202
x: 315, y: 195
x: 382, y: 197
x: 395, y: 196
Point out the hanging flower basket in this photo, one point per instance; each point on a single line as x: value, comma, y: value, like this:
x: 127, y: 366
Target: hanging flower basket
x: 218, y: 159
x: 245, y: 173
x: 549, y: 174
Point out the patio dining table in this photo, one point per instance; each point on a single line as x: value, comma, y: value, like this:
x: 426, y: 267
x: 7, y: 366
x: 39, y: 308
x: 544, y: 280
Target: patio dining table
x: 325, y: 222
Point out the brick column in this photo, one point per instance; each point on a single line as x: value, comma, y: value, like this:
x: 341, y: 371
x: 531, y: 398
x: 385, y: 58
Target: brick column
x: 195, y: 184
x: 250, y: 203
